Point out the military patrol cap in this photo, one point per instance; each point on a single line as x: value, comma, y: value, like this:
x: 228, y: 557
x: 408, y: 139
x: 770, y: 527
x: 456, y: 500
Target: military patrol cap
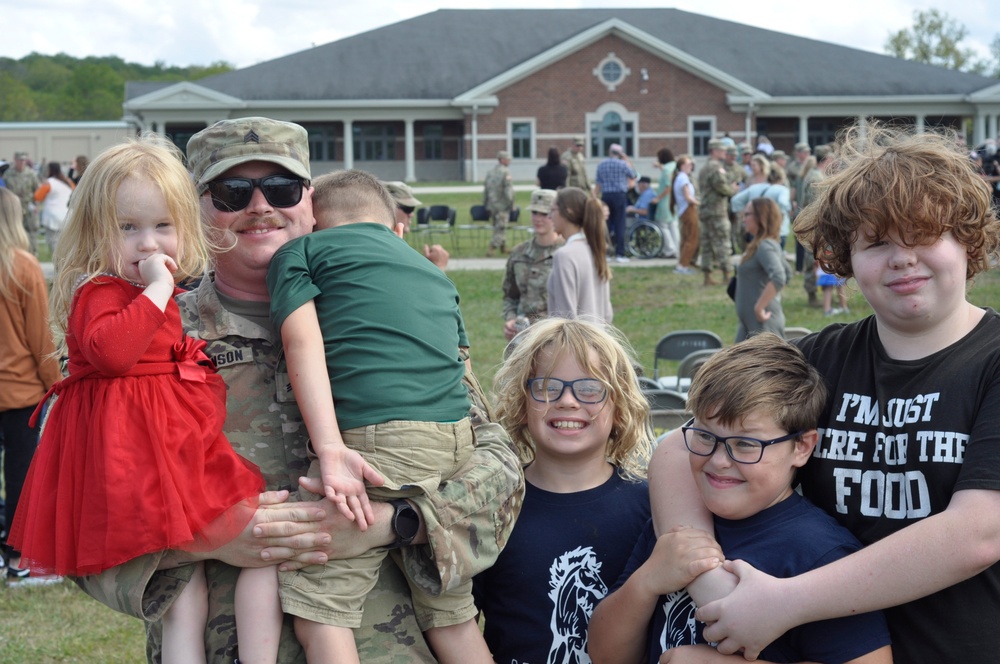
x: 716, y: 144
x: 823, y: 151
x: 20, y: 155
x: 802, y: 147
x: 542, y: 200
x: 778, y: 154
x: 503, y: 154
x: 578, y: 140
x: 745, y: 147
x: 402, y: 194
x: 228, y: 143
x: 732, y: 149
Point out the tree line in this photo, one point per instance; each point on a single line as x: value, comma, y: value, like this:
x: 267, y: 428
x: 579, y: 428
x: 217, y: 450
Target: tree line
x: 48, y: 88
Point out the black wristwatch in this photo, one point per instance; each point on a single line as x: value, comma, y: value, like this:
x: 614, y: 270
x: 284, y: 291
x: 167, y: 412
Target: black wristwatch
x: 405, y: 523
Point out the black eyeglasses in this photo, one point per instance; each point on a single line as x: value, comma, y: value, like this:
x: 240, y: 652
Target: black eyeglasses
x: 233, y: 194
x: 740, y: 449
x: 584, y: 390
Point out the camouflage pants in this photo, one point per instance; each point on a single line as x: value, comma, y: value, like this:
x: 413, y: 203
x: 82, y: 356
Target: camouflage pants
x: 500, y: 221
x: 809, y: 282
x: 716, y: 244
x: 31, y: 228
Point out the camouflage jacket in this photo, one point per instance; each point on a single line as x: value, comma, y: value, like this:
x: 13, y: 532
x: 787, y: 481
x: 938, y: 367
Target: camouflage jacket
x: 23, y: 184
x: 524, y: 282
x: 576, y: 164
x: 715, y: 190
x: 468, y: 520
x: 736, y: 175
x: 792, y: 174
x: 807, y: 187
x: 498, y: 189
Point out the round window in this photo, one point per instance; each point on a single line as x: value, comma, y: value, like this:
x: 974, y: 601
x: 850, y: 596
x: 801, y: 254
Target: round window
x: 611, y: 72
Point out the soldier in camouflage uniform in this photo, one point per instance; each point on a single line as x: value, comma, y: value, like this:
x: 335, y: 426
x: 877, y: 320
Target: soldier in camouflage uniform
x: 23, y: 182
x: 525, y: 295
x: 713, y: 215
x: 576, y: 165
x: 737, y: 176
x: 813, y: 172
x: 498, y: 198
x: 802, y: 151
x: 466, y: 522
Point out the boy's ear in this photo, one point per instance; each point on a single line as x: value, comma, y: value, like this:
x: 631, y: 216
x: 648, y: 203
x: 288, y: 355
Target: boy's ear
x: 804, y: 447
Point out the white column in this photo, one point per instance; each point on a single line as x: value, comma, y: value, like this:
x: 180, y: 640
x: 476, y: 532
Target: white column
x: 978, y: 129
x: 411, y: 173
x: 475, y: 145
x: 348, y: 144
x: 919, y: 123
x: 803, y: 129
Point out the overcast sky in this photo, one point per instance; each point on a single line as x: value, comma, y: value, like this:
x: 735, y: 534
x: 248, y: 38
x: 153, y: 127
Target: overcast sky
x: 245, y: 32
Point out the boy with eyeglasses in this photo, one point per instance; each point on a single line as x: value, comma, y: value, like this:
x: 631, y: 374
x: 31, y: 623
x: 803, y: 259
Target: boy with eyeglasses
x: 755, y: 406
x: 371, y: 325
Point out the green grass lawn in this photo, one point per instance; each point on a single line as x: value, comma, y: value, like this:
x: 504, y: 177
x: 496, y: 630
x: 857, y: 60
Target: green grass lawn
x: 61, y: 624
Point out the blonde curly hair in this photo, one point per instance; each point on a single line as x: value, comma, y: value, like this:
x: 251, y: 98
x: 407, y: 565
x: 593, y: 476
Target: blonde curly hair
x: 604, y: 354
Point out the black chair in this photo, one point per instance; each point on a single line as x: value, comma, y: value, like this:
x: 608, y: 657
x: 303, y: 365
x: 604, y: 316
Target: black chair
x: 675, y: 346
x: 438, y: 219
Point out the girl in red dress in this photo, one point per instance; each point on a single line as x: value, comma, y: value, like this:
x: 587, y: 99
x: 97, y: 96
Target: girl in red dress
x: 132, y: 458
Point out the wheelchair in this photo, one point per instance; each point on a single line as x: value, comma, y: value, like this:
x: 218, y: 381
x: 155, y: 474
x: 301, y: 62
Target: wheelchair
x: 644, y: 238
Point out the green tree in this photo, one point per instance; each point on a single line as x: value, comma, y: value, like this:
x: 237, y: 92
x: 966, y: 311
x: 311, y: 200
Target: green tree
x: 935, y: 39
x: 61, y: 87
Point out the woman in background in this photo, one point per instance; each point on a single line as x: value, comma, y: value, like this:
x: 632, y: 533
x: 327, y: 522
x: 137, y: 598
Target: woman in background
x: 554, y: 173
x: 28, y: 367
x: 762, y: 272
x: 53, y: 196
x: 684, y: 203
x: 579, y: 284
x: 665, y: 216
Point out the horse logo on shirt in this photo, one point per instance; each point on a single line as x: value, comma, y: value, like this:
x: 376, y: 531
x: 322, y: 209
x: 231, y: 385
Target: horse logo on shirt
x: 576, y: 588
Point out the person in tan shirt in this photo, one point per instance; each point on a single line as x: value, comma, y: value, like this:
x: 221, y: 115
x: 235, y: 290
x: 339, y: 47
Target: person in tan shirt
x: 28, y: 367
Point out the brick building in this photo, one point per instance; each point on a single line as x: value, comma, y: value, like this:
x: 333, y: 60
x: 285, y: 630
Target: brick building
x: 435, y: 97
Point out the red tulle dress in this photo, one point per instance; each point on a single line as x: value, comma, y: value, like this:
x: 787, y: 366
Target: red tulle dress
x: 132, y: 458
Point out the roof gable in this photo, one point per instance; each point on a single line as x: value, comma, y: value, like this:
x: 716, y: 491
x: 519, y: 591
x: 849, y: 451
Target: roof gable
x: 185, y: 95
x: 454, y: 54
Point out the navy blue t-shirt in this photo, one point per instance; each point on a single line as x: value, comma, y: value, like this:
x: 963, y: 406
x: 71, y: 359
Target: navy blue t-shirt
x: 564, y: 551
x: 784, y: 540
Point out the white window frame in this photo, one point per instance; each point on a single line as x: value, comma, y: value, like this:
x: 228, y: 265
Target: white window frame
x: 531, y: 139
x: 711, y: 119
x: 599, y: 71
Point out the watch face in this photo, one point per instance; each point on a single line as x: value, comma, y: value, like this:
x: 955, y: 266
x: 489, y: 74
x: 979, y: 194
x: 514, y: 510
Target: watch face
x: 405, y: 521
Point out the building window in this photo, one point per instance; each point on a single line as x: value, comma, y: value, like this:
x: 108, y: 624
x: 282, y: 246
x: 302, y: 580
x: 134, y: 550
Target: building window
x: 322, y: 141
x: 374, y: 142
x: 822, y: 132
x: 611, y: 71
x: 611, y: 129
x: 520, y: 140
x: 701, y: 134
x: 434, y: 141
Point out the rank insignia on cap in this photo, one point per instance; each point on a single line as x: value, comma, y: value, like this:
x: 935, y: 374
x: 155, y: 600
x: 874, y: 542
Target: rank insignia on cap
x: 251, y: 137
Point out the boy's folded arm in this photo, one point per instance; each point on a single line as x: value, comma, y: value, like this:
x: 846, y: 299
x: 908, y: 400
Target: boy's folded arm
x: 675, y: 501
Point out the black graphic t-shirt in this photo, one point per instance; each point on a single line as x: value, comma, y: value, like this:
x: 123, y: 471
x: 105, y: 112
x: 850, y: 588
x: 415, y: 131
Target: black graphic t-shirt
x: 564, y: 552
x: 897, y: 440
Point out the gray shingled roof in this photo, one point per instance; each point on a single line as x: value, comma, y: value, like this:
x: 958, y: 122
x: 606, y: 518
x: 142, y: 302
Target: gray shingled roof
x: 447, y: 52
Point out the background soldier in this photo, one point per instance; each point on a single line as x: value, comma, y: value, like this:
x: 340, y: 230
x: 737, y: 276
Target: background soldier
x: 22, y: 180
x: 525, y: 293
x: 792, y: 172
x: 576, y: 164
x: 713, y: 215
x: 737, y: 176
x: 498, y: 197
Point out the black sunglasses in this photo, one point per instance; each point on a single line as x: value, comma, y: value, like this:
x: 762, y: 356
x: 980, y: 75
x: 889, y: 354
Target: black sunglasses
x: 233, y: 194
x: 407, y: 209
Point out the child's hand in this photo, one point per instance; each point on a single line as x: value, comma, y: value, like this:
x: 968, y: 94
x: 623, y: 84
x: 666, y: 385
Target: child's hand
x: 680, y: 556
x: 344, y: 473
x: 158, y: 267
